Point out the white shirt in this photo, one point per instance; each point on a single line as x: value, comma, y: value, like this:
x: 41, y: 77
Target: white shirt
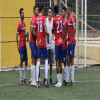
x: 51, y: 36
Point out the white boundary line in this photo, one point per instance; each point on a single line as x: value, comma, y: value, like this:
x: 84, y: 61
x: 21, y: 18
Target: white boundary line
x: 85, y: 81
x: 8, y: 85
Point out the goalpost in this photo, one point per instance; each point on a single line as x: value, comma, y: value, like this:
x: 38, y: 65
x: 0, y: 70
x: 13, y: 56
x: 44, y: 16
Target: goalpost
x: 85, y: 51
x: 0, y: 42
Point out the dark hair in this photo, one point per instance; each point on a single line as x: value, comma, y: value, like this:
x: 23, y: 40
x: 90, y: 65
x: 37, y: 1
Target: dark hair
x: 56, y: 9
x: 70, y: 6
x: 64, y: 8
x: 35, y: 8
x: 50, y: 8
x: 20, y: 10
x: 40, y: 8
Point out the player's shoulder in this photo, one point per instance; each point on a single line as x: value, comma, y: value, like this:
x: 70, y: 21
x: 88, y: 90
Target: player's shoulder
x: 33, y: 18
x: 72, y: 16
x: 19, y: 23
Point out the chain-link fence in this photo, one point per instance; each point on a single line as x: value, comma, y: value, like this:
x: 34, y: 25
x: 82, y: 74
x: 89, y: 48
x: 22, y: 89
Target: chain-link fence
x: 9, y: 18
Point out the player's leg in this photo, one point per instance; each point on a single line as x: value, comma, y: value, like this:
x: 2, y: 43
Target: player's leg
x: 33, y: 65
x: 60, y: 65
x: 21, y: 63
x: 20, y: 71
x: 68, y: 63
x: 38, y: 65
x: 26, y: 63
x: 64, y: 52
x: 51, y: 62
x: 57, y: 64
x: 45, y: 56
x: 72, y: 64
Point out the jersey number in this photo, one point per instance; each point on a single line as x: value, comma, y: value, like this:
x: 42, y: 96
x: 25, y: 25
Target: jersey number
x: 59, y: 26
x: 40, y: 27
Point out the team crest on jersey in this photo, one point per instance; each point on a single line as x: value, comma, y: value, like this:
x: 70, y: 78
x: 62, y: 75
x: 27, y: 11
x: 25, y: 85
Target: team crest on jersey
x: 39, y: 18
x: 23, y: 28
x: 69, y: 24
x: 58, y: 18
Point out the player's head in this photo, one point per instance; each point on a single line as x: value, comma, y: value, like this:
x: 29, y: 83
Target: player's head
x: 56, y: 9
x: 64, y: 10
x: 69, y: 9
x: 41, y: 9
x: 35, y: 10
x: 21, y: 11
x: 49, y: 12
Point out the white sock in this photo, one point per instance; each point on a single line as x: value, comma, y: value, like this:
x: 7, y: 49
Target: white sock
x: 65, y: 73
x: 20, y: 70
x: 37, y: 70
x: 60, y: 78
x: 72, y: 73
x: 46, y: 69
x: 33, y: 73
x: 68, y: 73
x: 25, y: 69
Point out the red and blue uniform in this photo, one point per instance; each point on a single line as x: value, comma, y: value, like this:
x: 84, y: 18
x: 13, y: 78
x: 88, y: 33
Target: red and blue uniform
x: 22, y: 44
x: 39, y: 23
x: 32, y: 40
x: 57, y: 26
x: 71, y: 47
x: 65, y: 46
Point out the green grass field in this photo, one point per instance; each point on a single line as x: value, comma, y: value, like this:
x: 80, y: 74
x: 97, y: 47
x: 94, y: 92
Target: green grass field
x: 86, y: 87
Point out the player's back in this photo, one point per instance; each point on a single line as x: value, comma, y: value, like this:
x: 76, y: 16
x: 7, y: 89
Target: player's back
x: 40, y: 21
x: 65, y: 22
x: 32, y: 38
x: 57, y: 25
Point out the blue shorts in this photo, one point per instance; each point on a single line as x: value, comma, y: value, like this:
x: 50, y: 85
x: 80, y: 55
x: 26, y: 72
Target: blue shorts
x: 58, y: 52
x: 23, y: 53
x: 43, y: 52
x: 71, y: 49
x: 50, y: 56
x: 64, y: 56
x: 33, y: 49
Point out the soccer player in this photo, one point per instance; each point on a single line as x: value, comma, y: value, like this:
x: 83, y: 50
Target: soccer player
x: 71, y: 44
x: 50, y: 41
x: 40, y: 31
x: 32, y: 43
x: 64, y: 48
x: 57, y: 30
x: 21, y: 32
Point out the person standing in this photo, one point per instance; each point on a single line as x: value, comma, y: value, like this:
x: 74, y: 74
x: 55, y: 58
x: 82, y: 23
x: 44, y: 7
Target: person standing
x: 50, y: 41
x: 21, y: 32
x: 40, y: 31
x: 57, y: 30
x: 32, y: 43
x: 71, y: 44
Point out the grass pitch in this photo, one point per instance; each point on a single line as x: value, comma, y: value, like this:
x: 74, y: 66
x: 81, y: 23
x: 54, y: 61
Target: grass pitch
x: 86, y: 87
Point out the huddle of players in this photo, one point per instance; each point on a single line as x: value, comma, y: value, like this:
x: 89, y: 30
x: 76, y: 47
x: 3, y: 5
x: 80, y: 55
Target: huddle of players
x: 64, y: 32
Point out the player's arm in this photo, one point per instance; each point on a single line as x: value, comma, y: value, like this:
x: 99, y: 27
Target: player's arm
x: 45, y: 28
x: 34, y: 31
x: 17, y: 42
x: 74, y: 29
x: 64, y: 30
x: 53, y: 29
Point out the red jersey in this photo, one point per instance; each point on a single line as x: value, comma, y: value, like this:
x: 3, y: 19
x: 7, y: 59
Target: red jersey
x: 57, y: 25
x: 32, y: 38
x: 39, y: 23
x: 71, y: 22
x: 65, y: 22
x: 21, y: 31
